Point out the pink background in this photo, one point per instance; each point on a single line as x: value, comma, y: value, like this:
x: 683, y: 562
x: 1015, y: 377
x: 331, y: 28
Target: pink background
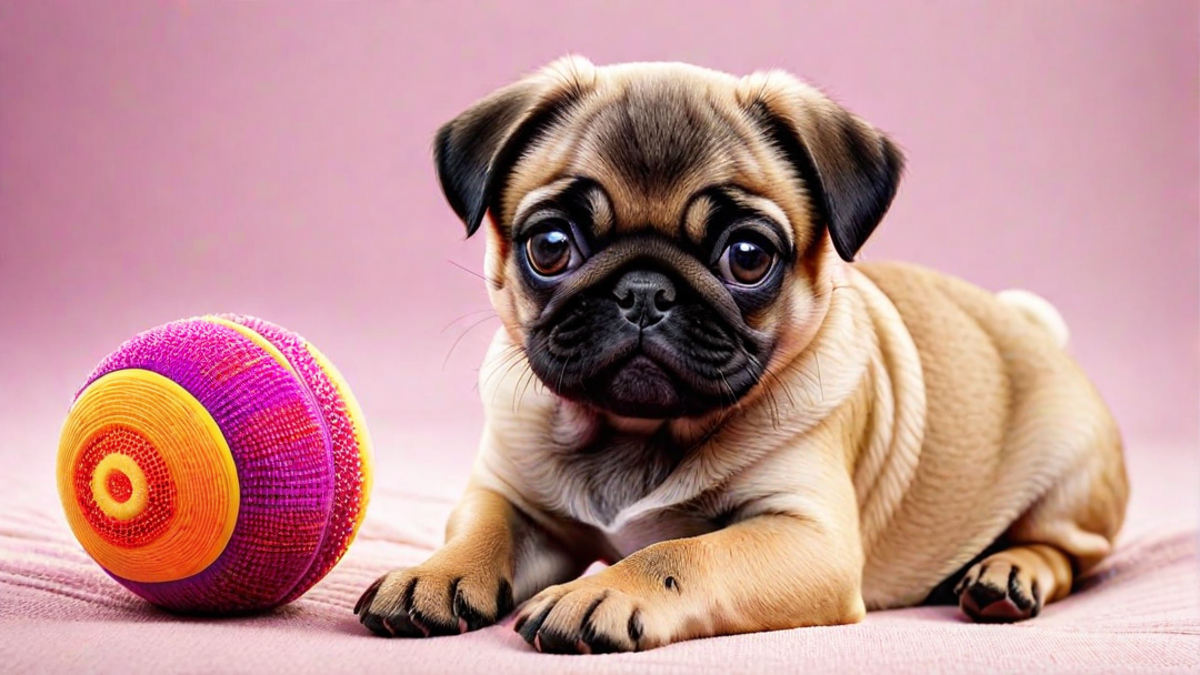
x: 162, y: 160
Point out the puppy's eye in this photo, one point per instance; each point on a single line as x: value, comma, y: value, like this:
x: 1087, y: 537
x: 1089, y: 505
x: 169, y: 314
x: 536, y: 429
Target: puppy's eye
x: 745, y: 263
x: 551, y: 252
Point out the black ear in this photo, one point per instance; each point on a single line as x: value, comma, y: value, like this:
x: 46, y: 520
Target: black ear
x: 475, y: 151
x: 465, y: 148
x: 851, y: 169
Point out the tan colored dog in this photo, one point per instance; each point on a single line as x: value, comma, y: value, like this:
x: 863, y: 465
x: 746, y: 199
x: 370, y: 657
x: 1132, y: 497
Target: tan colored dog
x: 693, y: 384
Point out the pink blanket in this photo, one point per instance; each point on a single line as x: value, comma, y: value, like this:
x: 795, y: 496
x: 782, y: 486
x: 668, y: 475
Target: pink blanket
x: 1140, y: 612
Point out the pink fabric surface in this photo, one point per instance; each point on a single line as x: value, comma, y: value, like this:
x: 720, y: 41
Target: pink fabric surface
x: 1140, y: 612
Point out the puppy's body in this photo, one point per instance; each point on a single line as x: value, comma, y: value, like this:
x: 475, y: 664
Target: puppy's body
x: 959, y: 419
x: 828, y: 439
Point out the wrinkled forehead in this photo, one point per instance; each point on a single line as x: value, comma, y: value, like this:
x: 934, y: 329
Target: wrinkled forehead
x: 651, y: 149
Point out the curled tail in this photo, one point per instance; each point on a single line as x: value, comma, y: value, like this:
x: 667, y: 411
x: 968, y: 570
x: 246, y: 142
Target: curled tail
x: 1039, y: 310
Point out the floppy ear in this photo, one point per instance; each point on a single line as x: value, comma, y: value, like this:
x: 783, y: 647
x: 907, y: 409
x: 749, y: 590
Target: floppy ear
x: 474, y: 152
x: 851, y: 169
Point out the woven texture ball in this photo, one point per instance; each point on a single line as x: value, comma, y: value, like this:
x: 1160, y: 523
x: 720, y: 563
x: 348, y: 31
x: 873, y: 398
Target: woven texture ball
x: 217, y: 465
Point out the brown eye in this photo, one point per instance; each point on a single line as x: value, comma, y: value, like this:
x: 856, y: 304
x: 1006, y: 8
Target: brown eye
x: 745, y: 263
x: 549, y: 252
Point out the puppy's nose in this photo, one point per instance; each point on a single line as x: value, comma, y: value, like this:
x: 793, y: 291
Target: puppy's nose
x: 645, y: 297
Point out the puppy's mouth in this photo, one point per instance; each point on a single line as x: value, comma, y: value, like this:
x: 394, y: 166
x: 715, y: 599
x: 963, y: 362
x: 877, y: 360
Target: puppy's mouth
x: 667, y: 371
x: 639, y: 387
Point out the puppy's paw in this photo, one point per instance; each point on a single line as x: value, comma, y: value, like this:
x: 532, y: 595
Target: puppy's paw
x: 435, y: 598
x: 583, y: 618
x: 999, y: 591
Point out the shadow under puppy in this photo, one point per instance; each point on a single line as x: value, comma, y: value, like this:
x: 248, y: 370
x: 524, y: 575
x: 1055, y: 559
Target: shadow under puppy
x: 694, y: 384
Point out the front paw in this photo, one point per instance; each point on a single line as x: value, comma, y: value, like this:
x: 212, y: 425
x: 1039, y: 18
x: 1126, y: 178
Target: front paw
x: 436, y: 598
x: 592, y: 616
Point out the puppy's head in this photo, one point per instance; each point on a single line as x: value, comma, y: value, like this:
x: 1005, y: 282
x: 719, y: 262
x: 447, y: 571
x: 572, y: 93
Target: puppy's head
x: 661, y: 236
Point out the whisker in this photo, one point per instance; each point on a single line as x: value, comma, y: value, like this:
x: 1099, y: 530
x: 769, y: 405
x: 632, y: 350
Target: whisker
x: 505, y: 359
x: 771, y: 383
x: 494, y: 283
x: 507, y: 372
x: 528, y: 381
x: 463, y: 335
x: 820, y: 384
x: 708, y: 433
x: 508, y: 353
x: 781, y: 384
x: 561, y: 373
x: 529, y: 378
x: 512, y: 405
x: 774, y: 409
x: 503, y: 356
x: 776, y: 415
x: 787, y: 390
x: 454, y: 321
x: 733, y: 401
x: 510, y: 356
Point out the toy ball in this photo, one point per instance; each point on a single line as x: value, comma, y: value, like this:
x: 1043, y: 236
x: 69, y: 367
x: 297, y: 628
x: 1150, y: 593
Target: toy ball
x: 216, y: 465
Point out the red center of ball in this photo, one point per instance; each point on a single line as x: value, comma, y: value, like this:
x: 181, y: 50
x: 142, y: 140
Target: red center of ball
x: 119, y: 486
x: 159, y: 510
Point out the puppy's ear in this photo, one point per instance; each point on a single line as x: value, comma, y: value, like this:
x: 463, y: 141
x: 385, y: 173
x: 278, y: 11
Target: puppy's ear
x: 474, y: 152
x: 851, y: 169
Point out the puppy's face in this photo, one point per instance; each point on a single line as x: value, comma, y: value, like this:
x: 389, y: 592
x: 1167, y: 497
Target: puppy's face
x: 662, y: 236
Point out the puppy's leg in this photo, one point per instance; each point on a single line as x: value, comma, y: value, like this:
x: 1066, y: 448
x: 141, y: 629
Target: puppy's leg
x: 1065, y: 533
x: 493, y: 556
x: 1014, y: 584
x: 765, y: 573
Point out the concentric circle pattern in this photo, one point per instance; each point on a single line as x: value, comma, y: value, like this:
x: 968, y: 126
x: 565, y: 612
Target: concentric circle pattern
x: 124, y: 487
x: 121, y: 503
x: 143, y: 426
x: 215, y: 465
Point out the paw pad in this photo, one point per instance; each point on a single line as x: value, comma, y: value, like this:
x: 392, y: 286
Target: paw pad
x: 998, y: 592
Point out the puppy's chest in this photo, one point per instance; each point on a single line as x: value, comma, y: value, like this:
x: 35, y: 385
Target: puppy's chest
x: 623, y: 487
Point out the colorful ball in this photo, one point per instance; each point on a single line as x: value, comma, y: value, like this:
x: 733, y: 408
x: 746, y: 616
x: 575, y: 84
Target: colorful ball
x: 216, y: 465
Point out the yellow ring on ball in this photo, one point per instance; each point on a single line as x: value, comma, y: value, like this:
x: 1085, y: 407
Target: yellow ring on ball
x: 140, y: 494
x: 257, y: 339
x: 197, y: 457
x: 365, y: 452
x: 353, y: 409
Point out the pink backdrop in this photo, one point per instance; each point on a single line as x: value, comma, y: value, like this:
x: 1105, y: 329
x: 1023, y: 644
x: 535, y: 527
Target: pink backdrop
x: 161, y: 160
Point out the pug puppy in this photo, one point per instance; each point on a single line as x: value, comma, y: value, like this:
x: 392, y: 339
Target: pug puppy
x: 694, y: 384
